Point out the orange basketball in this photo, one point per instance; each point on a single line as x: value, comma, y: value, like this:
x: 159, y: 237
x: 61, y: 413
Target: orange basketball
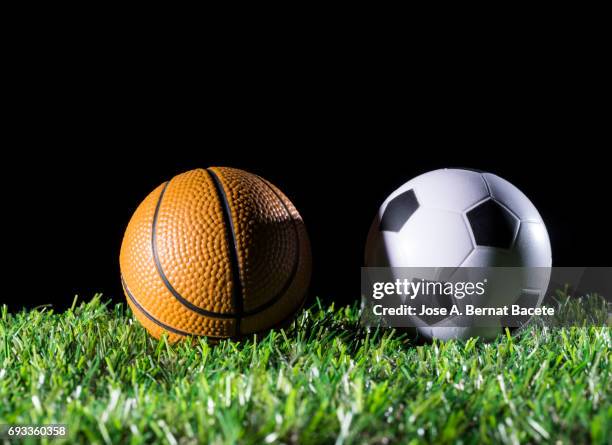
x: 217, y: 252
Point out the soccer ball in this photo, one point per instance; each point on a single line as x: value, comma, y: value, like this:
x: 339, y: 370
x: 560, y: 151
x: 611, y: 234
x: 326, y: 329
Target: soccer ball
x: 452, y: 218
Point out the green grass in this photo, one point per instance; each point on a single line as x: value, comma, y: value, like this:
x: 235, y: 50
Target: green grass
x: 324, y: 380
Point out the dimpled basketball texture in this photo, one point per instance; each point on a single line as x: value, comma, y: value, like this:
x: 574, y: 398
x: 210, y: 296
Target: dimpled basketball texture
x: 217, y: 252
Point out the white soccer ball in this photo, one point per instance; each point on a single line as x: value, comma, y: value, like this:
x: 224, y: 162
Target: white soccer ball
x: 453, y: 218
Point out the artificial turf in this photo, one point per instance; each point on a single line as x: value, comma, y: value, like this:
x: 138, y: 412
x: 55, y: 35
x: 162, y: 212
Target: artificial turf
x: 325, y: 379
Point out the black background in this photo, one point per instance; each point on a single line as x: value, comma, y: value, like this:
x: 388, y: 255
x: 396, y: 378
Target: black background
x: 90, y: 143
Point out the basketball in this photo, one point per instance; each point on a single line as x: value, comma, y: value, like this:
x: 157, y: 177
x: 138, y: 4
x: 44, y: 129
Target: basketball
x: 216, y: 252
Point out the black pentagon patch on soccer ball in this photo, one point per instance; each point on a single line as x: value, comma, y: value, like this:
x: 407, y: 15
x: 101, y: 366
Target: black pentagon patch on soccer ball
x: 433, y: 300
x: 398, y: 211
x: 527, y: 299
x: 492, y: 225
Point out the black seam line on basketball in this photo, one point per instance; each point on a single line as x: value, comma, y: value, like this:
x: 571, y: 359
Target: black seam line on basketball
x: 237, y: 292
x: 149, y: 316
x: 289, y: 281
x: 188, y: 304
x: 155, y: 320
x: 291, y: 318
